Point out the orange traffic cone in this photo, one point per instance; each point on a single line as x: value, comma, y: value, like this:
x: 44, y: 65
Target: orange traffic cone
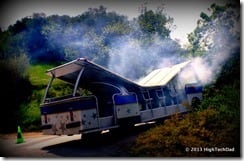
x: 20, y: 138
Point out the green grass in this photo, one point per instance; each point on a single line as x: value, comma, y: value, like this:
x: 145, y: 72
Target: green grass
x: 30, y: 110
x: 37, y: 74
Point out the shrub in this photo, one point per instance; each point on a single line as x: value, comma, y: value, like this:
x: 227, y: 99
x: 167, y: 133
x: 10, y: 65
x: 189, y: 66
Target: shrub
x: 215, y: 124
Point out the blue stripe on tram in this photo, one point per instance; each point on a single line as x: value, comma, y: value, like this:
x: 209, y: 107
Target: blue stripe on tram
x: 127, y: 99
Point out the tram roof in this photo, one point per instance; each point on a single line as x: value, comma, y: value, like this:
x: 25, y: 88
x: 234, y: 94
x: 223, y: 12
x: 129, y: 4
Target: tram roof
x: 161, y: 77
x: 95, y: 74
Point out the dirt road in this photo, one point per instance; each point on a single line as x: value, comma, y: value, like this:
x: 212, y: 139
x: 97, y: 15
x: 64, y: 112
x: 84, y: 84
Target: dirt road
x: 38, y: 145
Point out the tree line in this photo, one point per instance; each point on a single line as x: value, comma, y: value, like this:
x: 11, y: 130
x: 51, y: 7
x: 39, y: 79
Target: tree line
x: 90, y: 34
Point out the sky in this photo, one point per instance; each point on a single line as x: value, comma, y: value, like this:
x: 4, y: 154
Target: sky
x: 185, y: 12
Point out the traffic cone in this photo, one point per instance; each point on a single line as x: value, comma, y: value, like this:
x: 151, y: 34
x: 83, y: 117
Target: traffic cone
x: 20, y: 138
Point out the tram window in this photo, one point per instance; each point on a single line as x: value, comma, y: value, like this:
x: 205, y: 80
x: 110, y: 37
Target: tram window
x: 167, y: 96
x: 146, y: 95
x: 159, y: 93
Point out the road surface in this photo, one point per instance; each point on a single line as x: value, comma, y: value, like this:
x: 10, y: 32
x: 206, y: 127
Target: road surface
x: 39, y: 145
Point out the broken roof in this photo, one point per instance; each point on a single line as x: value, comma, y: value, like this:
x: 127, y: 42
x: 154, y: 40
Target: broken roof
x: 94, y: 74
x: 161, y: 77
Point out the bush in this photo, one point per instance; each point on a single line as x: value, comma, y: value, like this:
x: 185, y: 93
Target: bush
x: 215, y: 124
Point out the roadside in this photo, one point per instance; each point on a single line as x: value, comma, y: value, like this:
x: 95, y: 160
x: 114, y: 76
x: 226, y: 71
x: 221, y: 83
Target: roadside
x: 111, y: 144
x: 9, y: 147
x: 25, y: 135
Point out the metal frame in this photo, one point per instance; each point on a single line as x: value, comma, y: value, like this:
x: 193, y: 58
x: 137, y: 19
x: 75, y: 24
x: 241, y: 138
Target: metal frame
x: 147, y: 100
x: 109, y: 84
x: 77, y: 81
x: 161, y: 98
x: 48, y: 87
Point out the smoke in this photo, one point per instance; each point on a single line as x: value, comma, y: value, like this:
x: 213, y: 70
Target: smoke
x: 134, y: 56
x: 133, y: 59
x: 129, y: 51
x: 225, y: 44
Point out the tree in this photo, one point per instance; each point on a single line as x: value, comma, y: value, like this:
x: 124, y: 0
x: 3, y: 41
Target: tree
x: 220, y: 31
x: 156, y: 22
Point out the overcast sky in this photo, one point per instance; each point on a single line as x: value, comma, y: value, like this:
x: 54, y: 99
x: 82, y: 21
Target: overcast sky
x: 185, y: 12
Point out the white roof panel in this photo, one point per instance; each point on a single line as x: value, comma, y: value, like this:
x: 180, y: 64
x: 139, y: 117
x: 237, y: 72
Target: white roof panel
x: 161, y: 77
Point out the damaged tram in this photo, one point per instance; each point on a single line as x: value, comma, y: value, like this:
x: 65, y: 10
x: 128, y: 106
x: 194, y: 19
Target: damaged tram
x: 112, y: 100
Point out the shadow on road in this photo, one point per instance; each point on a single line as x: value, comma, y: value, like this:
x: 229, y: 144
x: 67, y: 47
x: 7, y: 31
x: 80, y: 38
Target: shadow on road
x: 112, y: 144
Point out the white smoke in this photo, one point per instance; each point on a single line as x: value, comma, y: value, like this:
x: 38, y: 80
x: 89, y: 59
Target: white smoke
x: 129, y: 58
x: 222, y: 41
x: 133, y: 61
x: 134, y: 57
x: 208, y: 67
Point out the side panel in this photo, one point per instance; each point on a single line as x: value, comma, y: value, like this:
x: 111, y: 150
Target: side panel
x: 146, y: 115
x: 60, y: 123
x: 89, y: 119
x: 69, y: 116
x: 161, y: 112
x: 126, y: 106
x: 163, y: 103
x: 193, y: 90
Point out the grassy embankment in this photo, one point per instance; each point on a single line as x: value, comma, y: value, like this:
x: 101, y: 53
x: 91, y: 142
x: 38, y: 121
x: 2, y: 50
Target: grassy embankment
x: 30, y: 112
x: 30, y: 109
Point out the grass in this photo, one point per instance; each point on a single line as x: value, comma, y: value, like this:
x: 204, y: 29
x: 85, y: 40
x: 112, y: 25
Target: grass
x: 29, y: 110
x: 37, y: 74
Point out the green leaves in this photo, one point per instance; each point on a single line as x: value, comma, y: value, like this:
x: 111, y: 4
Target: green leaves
x: 217, y: 31
x: 155, y: 23
x: 204, y: 16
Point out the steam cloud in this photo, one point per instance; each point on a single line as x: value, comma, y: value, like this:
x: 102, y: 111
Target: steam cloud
x: 127, y: 55
x: 132, y: 60
x: 225, y: 45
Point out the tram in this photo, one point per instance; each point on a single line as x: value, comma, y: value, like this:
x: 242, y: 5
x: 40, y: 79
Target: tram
x: 112, y: 100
